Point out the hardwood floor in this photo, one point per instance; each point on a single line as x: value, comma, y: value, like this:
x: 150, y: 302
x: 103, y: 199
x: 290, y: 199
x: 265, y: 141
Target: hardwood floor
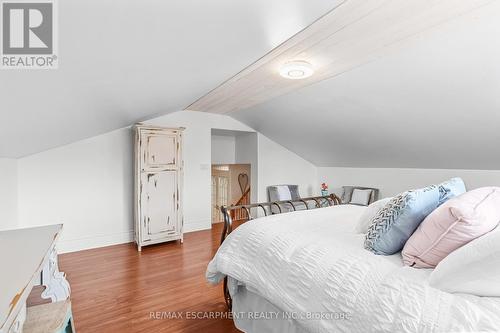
x: 117, y: 289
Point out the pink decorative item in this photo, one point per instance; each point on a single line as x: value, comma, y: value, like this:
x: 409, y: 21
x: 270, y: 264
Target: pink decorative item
x: 452, y: 225
x: 324, y: 189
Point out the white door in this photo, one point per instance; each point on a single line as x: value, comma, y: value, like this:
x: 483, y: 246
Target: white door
x: 220, y: 196
x: 159, y: 150
x: 159, y: 202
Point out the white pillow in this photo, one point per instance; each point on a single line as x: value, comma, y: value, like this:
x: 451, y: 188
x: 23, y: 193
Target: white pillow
x: 284, y: 193
x: 365, y: 220
x: 471, y: 269
x: 360, y: 197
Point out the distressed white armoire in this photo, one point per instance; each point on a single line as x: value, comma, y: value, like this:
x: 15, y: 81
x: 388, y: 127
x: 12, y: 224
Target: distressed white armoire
x: 158, y: 185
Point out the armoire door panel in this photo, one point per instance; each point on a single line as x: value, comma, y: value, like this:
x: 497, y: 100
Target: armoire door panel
x: 159, y: 151
x: 159, y: 204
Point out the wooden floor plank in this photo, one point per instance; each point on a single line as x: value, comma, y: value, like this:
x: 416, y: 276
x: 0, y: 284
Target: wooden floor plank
x: 115, y: 288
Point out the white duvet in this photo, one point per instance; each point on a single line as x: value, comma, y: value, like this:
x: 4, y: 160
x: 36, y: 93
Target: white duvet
x: 312, y: 262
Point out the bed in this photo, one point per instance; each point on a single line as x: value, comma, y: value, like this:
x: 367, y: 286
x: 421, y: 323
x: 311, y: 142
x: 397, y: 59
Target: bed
x: 307, y: 271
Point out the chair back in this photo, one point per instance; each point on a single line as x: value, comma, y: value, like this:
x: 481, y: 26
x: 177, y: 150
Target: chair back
x: 347, y: 193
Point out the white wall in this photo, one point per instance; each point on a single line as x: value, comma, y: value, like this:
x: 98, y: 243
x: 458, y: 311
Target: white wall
x: 197, y: 161
x: 392, y: 181
x: 247, y: 153
x: 278, y: 165
x: 8, y: 193
x: 88, y: 185
x: 223, y: 149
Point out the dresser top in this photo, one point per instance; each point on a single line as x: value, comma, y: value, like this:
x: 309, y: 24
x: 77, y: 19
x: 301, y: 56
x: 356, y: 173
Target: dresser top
x: 23, y: 253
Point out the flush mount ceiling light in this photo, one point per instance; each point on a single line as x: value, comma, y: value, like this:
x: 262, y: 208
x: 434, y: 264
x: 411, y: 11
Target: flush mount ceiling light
x: 296, y: 70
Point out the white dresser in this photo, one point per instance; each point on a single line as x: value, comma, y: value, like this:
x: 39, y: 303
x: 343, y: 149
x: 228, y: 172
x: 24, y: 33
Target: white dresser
x: 28, y: 257
x: 158, y: 185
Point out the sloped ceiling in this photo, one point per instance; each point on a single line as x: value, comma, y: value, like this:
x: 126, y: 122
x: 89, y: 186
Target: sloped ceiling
x: 127, y: 61
x: 354, y: 33
x: 435, y: 103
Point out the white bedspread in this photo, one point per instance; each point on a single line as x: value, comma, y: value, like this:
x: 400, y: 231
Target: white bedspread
x: 312, y: 262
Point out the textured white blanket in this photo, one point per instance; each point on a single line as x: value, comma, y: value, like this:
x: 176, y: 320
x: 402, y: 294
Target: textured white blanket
x: 312, y: 262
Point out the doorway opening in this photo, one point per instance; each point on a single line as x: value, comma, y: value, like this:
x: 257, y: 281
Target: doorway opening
x: 230, y: 186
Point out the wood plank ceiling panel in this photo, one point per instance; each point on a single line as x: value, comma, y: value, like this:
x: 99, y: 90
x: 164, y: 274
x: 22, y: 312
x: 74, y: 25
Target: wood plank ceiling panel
x: 352, y: 34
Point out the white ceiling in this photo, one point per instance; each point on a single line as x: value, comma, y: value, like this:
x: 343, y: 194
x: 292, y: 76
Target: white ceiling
x: 354, y: 33
x: 124, y: 62
x: 435, y: 103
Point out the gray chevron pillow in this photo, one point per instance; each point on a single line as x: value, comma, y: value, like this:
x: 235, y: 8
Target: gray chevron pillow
x: 397, y: 220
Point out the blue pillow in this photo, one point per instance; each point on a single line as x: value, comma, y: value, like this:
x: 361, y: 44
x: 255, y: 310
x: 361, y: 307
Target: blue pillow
x: 450, y: 189
x: 399, y: 218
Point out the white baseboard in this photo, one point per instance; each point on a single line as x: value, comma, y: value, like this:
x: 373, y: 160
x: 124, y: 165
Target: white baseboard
x: 92, y: 242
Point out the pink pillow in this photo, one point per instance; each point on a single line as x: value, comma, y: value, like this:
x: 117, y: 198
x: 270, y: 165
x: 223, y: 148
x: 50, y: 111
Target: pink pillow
x: 451, y: 225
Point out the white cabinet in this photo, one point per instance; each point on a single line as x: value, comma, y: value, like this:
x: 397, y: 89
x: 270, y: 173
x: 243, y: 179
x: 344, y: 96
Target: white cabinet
x: 158, y: 185
x: 28, y: 257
